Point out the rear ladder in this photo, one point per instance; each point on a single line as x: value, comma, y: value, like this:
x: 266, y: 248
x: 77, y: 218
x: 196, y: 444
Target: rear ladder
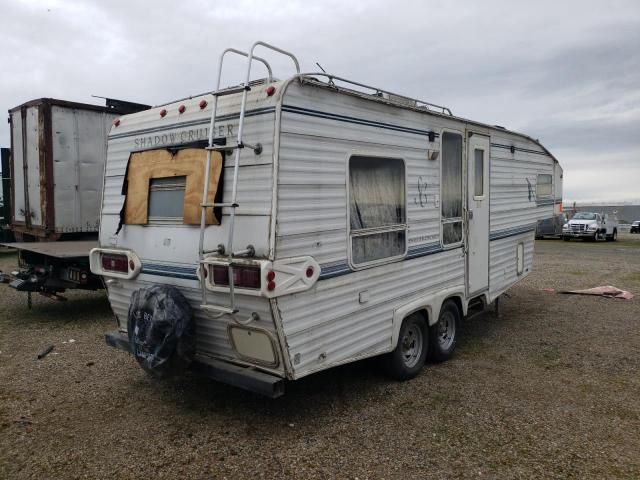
x: 227, y: 260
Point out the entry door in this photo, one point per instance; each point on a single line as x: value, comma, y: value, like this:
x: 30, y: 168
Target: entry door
x: 478, y: 213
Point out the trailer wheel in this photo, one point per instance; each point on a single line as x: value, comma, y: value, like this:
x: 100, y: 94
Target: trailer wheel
x: 443, y: 335
x: 614, y: 236
x: 161, y: 330
x: 408, y: 358
x: 566, y: 238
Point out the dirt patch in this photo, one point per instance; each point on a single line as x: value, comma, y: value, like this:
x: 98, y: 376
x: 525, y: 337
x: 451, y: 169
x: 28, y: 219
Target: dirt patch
x: 550, y: 389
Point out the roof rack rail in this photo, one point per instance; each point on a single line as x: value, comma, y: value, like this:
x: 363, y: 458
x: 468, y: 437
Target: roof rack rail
x: 379, y: 92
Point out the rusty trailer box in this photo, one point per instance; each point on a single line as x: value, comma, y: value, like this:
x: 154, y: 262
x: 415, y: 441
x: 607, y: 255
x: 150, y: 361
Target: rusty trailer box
x: 58, y: 156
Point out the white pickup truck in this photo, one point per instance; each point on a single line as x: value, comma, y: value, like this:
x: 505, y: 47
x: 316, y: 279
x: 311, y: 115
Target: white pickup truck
x: 591, y: 226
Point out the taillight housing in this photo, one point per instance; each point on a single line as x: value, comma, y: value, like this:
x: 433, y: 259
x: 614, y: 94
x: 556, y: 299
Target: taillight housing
x: 114, y: 263
x: 243, y: 276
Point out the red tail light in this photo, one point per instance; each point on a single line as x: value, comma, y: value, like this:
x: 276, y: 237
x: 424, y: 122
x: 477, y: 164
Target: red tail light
x: 243, y: 277
x: 115, y: 263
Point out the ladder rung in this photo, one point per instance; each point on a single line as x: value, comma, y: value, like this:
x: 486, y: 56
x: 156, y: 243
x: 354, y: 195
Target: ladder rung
x: 231, y: 91
x: 220, y: 309
x: 213, y: 205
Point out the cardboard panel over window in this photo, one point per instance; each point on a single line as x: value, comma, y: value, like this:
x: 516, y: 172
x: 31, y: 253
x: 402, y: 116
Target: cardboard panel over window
x: 189, y: 162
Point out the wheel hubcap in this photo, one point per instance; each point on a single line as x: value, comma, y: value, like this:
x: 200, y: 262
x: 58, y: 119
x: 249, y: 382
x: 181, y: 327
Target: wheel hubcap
x: 446, y: 330
x: 412, y: 342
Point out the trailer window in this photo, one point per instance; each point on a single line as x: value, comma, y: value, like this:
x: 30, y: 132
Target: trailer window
x: 451, y: 188
x: 166, y: 199
x: 377, y: 209
x: 478, y: 172
x: 543, y: 186
x: 165, y: 186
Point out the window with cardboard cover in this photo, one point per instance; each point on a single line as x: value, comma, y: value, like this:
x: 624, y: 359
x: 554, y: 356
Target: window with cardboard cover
x: 165, y: 186
x: 377, y: 209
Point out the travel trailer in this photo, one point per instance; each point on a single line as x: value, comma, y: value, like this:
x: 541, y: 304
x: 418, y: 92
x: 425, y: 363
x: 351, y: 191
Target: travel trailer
x: 264, y: 232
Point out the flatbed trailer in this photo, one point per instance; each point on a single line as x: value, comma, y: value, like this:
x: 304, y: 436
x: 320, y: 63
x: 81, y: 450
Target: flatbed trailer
x: 50, y: 268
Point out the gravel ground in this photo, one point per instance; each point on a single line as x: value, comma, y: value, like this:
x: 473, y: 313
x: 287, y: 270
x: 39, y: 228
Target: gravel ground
x: 549, y: 389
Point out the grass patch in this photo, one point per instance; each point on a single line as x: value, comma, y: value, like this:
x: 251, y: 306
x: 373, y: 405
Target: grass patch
x: 632, y: 277
x: 575, y: 272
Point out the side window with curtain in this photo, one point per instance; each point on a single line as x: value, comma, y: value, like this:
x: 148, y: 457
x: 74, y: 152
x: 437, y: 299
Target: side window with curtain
x: 451, y: 213
x: 377, y: 209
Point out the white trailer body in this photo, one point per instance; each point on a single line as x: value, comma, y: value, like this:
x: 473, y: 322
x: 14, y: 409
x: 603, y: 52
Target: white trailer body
x: 363, y: 210
x: 58, y: 155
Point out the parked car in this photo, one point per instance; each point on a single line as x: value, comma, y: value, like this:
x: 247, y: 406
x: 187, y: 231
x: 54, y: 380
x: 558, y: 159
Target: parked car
x: 591, y: 226
x: 635, y: 227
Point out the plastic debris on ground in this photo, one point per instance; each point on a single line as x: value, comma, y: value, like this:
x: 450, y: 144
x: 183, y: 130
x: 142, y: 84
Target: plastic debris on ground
x: 603, y: 291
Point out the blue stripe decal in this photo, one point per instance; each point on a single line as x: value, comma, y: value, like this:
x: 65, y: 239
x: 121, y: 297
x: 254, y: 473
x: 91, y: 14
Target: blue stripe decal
x: 173, y: 271
x: 510, y: 232
x: 169, y: 268
x: 422, y: 250
x: 336, y: 269
x: 358, y: 121
x: 193, y: 123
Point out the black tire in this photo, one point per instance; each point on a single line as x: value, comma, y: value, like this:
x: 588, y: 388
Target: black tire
x: 614, y: 236
x: 404, y: 363
x: 443, y: 335
x: 566, y: 239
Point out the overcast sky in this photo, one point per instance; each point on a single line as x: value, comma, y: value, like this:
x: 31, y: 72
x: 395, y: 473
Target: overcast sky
x: 566, y: 72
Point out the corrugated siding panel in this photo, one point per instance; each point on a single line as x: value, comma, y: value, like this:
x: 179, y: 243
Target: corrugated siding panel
x: 312, y: 220
x: 17, y: 182
x: 330, y: 319
x: 33, y: 164
x: 503, y: 261
x: 79, y: 154
x: 513, y: 179
x: 176, y: 246
x: 211, y: 334
x: 146, y: 130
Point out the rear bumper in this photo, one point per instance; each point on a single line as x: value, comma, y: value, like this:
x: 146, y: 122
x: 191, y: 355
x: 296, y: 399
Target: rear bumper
x: 245, y: 378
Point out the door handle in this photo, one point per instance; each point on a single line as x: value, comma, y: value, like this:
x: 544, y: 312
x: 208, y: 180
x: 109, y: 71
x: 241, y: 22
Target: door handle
x: 470, y: 214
